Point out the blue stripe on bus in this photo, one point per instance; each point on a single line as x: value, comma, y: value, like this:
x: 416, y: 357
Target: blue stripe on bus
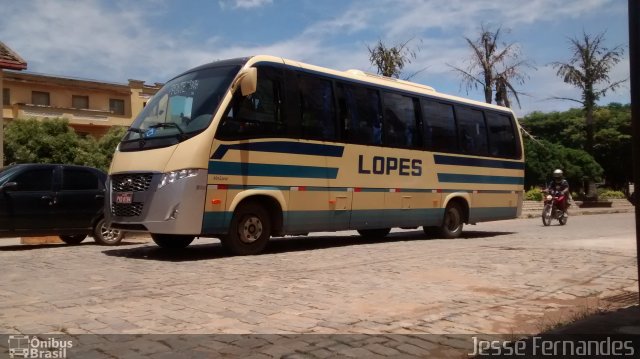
x: 312, y: 149
x: 270, y: 170
x: 359, y: 189
x: 216, y: 222
x: 476, y: 162
x: 464, y: 178
x: 320, y: 221
x: 491, y: 213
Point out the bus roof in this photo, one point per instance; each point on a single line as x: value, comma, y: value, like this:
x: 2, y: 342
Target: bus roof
x: 351, y: 75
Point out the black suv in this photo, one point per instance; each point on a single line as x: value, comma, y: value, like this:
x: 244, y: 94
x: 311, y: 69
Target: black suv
x: 51, y: 199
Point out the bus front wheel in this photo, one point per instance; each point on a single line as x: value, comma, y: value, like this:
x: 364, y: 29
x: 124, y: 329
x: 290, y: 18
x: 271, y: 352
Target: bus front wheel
x: 171, y: 241
x: 249, y: 232
x: 452, y: 222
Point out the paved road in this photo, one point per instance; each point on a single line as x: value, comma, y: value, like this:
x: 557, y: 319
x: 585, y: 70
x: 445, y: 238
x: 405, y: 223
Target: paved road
x: 502, y: 277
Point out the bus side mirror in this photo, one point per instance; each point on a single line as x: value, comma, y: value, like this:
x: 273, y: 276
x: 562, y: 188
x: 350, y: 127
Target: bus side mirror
x: 8, y: 185
x: 248, y: 81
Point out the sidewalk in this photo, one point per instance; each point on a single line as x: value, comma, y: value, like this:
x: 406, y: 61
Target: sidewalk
x: 533, y: 209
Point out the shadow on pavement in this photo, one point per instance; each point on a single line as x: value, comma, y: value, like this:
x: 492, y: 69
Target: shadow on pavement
x: 279, y: 245
x: 28, y: 247
x: 625, y: 321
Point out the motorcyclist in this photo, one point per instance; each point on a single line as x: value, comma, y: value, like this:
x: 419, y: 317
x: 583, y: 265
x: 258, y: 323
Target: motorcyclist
x: 560, y: 186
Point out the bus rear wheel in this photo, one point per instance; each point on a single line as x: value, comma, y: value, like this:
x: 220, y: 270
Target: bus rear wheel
x: 171, y: 241
x: 374, y: 233
x: 452, y: 222
x: 249, y: 232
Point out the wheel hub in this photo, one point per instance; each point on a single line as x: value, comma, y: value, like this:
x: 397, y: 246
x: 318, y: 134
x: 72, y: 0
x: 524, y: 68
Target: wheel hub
x: 250, y: 230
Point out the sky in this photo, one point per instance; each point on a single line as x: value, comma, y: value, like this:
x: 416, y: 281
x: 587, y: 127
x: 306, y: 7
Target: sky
x: 154, y: 40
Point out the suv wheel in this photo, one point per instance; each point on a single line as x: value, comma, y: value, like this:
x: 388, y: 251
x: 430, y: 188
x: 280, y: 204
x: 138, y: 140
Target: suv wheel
x: 106, y: 236
x: 73, y: 239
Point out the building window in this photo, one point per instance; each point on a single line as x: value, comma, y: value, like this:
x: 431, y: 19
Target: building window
x: 116, y: 106
x: 40, y: 98
x: 79, y: 101
x: 6, y: 97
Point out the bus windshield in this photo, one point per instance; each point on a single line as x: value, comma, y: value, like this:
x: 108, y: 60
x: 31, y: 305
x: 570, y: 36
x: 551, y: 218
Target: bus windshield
x: 182, y: 108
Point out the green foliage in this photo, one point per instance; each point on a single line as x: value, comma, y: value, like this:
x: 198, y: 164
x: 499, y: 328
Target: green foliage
x: 543, y: 157
x: 612, y: 149
x: 54, y: 141
x: 534, y: 194
x: 50, y: 141
x: 390, y: 61
x: 607, y: 193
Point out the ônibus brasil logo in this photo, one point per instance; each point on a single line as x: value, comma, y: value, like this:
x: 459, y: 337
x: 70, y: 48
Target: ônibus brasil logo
x: 24, y: 346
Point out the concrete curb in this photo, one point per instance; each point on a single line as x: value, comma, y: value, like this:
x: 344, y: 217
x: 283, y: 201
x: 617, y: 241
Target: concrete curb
x: 533, y: 209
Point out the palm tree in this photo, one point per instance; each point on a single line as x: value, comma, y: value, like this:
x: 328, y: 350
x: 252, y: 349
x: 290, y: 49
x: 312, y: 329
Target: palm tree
x: 589, y: 66
x: 390, y: 61
x: 493, y: 65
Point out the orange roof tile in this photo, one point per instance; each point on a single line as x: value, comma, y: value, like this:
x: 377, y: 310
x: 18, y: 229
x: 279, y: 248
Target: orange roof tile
x: 10, y: 60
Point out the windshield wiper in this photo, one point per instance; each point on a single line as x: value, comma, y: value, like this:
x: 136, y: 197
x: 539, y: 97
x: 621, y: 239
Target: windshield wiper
x: 168, y: 125
x: 136, y: 130
x: 139, y: 131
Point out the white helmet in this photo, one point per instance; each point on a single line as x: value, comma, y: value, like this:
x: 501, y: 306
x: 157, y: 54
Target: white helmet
x: 557, y: 173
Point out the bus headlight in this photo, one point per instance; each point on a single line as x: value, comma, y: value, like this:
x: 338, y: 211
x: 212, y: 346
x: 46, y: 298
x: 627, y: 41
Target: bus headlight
x: 173, y: 176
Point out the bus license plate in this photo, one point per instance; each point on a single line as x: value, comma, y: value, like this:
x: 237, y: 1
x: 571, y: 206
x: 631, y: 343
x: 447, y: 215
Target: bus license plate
x: 124, y: 197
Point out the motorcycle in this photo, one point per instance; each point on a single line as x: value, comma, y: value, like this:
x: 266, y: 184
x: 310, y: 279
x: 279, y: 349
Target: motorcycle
x: 551, y: 210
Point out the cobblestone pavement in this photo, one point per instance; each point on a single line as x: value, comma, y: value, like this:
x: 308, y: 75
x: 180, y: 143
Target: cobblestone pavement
x: 501, y: 277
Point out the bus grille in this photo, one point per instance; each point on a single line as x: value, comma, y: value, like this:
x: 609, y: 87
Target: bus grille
x: 126, y: 209
x: 135, y: 182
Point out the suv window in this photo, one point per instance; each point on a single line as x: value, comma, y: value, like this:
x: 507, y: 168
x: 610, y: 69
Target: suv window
x: 75, y: 179
x: 35, y: 180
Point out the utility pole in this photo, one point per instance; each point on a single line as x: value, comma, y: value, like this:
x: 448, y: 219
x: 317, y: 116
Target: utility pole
x: 634, y: 63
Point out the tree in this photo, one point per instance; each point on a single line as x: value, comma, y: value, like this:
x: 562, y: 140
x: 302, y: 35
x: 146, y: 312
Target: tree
x: 54, y: 141
x: 33, y: 141
x: 390, y: 61
x: 588, y: 67
x: 107, y: 144
x: 543, y: 157
x: 493, y: 65
x: 612, y: 136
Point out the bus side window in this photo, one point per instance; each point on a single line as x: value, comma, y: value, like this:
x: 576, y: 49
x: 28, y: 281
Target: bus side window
x: 257, y: 115
x: 472, y: 131
x: 502, y: 138
x: 360, y: 111
x: 400, y: 124
x: 316, y: 108
x: 439, y: 126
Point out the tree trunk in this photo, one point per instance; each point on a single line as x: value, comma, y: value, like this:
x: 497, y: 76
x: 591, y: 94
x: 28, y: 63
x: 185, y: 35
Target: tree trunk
x: 588, y: 147
x: 590, y: 130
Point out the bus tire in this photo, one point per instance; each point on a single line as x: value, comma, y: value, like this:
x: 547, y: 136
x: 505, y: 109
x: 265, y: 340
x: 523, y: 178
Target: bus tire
x: 431, y: 231
x: 374, y: 233
x: 249, y: 231
x: 171, y: 241
x: 452, y: 222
